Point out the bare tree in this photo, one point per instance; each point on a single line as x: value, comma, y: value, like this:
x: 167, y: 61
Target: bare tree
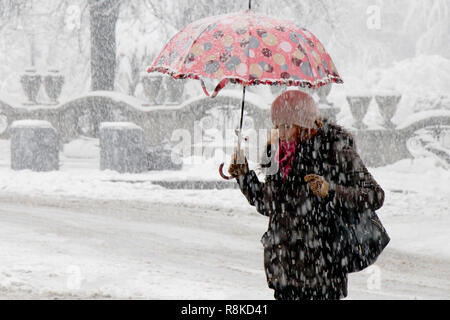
x: 103, y: 19
x: 181, y: 13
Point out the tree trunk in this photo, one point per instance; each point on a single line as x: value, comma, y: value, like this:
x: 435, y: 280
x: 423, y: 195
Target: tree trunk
x: 103, y: 18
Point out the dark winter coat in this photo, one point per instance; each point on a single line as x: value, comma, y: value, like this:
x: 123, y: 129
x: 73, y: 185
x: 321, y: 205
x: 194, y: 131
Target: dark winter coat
x: 300, y: 243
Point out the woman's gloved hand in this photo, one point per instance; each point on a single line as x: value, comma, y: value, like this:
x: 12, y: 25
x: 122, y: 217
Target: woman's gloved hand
x: 239, y: 164
x: 318, y: 185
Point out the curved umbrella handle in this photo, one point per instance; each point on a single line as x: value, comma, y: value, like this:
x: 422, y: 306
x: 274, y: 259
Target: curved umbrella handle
x: 222, y: 174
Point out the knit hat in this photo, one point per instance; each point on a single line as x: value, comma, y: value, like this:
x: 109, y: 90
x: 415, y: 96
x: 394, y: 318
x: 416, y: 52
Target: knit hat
x: 294, y: 107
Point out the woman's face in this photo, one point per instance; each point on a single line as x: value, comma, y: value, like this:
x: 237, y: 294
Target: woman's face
x: 293, y: 132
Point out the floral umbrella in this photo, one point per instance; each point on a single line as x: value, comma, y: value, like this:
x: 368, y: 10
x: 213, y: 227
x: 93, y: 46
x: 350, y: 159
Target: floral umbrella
x: 250, y: 49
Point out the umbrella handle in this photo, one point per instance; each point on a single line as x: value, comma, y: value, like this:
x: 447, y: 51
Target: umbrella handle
x: 238, y: 133
x: 222, y: 174
x: 222, y: 164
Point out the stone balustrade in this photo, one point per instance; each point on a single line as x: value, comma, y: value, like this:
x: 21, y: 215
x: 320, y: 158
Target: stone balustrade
x: 83, y: 116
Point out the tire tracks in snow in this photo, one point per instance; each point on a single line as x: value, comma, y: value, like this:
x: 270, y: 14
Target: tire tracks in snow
x: 215, y: 247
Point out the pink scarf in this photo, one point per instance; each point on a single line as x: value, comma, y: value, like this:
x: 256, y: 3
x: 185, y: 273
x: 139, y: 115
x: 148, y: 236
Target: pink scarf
x: 287, y: 151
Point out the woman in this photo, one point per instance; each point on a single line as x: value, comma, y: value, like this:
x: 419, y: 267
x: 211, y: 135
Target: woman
x: 319, y: 175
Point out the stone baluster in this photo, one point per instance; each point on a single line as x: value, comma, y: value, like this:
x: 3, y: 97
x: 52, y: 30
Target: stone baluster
x: 387, y: 105
x: 53, y: 83
x: 326, y: 108
x: 31, y: 83
x: 358, y: 108
x: 174, y: 90
x: 152, y: 85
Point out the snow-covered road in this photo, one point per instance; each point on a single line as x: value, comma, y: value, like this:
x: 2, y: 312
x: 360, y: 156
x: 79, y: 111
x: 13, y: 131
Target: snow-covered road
x: 85, y: 233
x: 103, y: 249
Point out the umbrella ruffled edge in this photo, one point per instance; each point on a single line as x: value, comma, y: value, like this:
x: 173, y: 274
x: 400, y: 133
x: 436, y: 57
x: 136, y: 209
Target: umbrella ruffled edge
x: 221, y: 82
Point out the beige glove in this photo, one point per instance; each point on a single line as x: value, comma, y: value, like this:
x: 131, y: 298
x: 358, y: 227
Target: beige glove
x: 239, y: 165
x: 318, y: 185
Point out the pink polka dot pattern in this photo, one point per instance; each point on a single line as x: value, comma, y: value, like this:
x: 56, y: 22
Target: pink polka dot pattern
x: 247, y: 48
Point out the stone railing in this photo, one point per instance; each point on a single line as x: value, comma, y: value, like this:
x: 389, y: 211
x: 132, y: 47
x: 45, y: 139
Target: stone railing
x: 82, y: 116
x: 379, y: 147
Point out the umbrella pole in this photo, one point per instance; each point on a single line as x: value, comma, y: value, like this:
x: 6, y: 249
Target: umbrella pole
x: 239, y: 134
x: 242, y: 117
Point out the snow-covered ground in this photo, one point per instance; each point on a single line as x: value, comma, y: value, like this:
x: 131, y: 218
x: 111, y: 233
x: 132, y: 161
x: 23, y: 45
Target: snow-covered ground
x: 85, y: 233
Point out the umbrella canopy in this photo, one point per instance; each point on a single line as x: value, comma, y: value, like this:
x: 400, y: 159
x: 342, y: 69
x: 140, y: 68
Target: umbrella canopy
x: 247, y: 48
x: 250, y: 49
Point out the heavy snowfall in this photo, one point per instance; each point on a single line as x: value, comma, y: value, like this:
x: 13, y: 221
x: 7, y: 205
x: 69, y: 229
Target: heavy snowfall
x: 81, y: 232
